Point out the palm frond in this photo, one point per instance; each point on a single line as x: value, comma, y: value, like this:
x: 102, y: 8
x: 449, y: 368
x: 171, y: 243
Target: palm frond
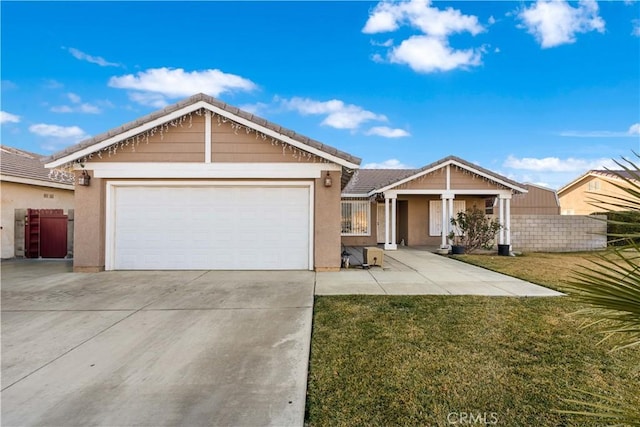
x: 612, y: 409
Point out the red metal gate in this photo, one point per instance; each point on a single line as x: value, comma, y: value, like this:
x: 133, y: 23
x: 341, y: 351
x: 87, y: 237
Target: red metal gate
x: 46, y: 233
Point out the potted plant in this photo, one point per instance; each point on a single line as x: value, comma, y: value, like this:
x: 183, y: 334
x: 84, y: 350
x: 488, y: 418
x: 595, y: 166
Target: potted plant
x: 457, y: 248
x: 474, y: 230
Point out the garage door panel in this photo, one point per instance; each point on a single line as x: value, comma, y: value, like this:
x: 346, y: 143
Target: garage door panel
x: 167, y: 227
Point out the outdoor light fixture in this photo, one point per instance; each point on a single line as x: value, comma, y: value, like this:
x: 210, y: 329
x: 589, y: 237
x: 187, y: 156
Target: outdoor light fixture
x: 328, y: 182
x: 84, y: 179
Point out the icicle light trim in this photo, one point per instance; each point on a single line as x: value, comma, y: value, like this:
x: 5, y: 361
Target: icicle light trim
x: 64, y: 173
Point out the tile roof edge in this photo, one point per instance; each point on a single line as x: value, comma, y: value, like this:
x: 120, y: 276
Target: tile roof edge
x: 302, y: 139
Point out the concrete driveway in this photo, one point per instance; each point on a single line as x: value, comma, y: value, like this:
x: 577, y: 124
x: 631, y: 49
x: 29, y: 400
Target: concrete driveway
x: 153, y: 348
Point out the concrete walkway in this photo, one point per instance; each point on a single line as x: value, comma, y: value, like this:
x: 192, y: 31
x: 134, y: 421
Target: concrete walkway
x: 427, y: 274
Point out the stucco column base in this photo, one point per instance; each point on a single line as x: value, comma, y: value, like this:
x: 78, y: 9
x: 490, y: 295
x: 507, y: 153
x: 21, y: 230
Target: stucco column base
x: 88, y: 269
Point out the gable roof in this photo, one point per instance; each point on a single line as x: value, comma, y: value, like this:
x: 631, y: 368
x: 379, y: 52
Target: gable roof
x: 613, y: 174
x: 371, y: 181
x: 191, y: 104
x: 28, y: 168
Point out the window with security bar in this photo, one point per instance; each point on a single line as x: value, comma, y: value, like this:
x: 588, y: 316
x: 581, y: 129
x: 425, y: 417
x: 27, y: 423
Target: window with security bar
x: 355, y: 217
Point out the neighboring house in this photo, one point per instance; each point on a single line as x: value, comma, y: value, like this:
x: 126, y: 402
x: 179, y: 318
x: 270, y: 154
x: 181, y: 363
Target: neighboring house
x: 410, y: 206
x: 203, y: 185
x: 576, y: 196
x: 26, y: 184
x: 537, y: 201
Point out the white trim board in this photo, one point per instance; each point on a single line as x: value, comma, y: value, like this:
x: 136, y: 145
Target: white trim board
x: 112, y: 186
x: 37, y: 182
x: 211, y: 170
x: 447, y: 163
x: 395, y: 193
x: 190, y: 109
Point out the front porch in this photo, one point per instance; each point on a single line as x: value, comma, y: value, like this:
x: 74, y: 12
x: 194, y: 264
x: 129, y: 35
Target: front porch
x: 442, y: 207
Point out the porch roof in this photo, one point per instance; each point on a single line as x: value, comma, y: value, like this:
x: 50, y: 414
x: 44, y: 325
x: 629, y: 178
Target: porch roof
x: 371, y: 181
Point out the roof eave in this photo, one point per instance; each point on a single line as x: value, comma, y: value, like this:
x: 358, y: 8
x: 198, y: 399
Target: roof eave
x: 449, y: 161
x: 195, y: 103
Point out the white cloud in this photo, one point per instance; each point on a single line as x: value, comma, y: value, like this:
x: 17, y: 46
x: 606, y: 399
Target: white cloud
x: 8, y: 118
x: 256, y: 109
x: 74, y: 98
x: 491, y: 20
x: 89, y: 108
x: 383, y: 18
x: 338, y: 114
x: 55, y: 131
x: 387, y: 132
x: 388, y: 16
x: 555, y: 164
x: 554, y: 23
x: 387, y: 43
x: 78, y: 54
x: 61, y: 109
x: 634, y: 130
x: 155, y: 85
x: 78, y: 107
x: 426, y: 54
x: 430, y: 51
x: 387, y: 164
x: 636, y: 27
x: 150, y: 99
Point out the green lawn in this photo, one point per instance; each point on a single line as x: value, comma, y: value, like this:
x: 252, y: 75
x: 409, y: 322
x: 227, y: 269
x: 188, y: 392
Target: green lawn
x: 426, y: 360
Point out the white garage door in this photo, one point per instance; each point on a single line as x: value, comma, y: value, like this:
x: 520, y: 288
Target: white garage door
x: 224, y: 228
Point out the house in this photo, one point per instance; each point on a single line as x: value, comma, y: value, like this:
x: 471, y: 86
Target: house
x: 576, y: 196
x: 204, y: 185
x: 538, y: 200
x: 27, y: 188
x: 414, y: 206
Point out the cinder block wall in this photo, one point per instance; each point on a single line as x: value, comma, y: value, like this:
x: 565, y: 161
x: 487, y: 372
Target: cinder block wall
x: 558, y: 233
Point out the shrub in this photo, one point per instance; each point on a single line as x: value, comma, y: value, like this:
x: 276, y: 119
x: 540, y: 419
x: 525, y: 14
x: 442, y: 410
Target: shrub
x: 474, y: 229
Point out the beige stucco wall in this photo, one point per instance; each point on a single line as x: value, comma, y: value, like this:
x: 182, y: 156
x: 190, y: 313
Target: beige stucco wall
x: 187, y: 144
x: 23, y: 196
x: 89, y: 227
x: 574, y: 200
x: 327, y: 224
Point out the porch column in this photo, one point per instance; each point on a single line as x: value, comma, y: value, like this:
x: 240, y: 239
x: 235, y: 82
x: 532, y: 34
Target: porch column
x: 507, y: 221
x: 450, y: 215
x: 386, y: 222
x: 445, y: 227
x: 390, y: 223
x: 504, y: 203
x: 447, y: 214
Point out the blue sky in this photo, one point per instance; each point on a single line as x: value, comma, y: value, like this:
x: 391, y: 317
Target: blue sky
x: 537, y: 91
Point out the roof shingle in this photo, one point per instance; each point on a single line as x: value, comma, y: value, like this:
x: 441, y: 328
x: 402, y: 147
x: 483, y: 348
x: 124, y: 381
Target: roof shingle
x: 24, y: 164
x: 217, y: 103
